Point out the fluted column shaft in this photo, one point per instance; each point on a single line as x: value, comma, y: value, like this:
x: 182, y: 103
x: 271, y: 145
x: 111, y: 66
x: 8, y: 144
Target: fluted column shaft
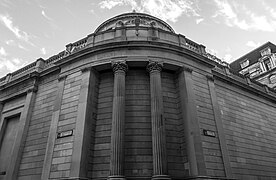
x: 158, y: 124
x: 118, y: 118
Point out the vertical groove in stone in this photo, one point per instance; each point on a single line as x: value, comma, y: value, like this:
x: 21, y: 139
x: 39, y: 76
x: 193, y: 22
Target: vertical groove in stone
x: 158, y: 125
x: 118, y: 118
x: 1, y: 108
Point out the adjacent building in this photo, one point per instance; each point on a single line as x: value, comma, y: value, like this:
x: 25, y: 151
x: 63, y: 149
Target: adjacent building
x: 135, y: 100
x: 259, y: 64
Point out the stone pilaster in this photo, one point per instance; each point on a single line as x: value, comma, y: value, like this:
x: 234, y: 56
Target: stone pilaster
x: 85, y: 121
x: 218, y: 120
x: 191, y: 125
x: 21, y: 136
x: 1, y: 108
x: 53, y: 130
x: 158, y: 124
x: 118, y: 118
x: 40, y: 63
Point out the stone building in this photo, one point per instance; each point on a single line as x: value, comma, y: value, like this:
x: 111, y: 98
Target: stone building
x: 259, y: 64
x: 135, y: 100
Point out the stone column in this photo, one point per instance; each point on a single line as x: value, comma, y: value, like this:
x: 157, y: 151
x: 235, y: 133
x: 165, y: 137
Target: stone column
x: 157, y: 122
x: 118, y: 118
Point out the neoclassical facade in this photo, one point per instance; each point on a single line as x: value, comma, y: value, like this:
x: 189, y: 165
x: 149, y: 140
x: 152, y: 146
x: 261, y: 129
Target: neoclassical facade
x: 135, y: 100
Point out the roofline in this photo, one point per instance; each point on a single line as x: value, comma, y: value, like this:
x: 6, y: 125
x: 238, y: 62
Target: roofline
x: 132, y: 13
x: 267, y: 43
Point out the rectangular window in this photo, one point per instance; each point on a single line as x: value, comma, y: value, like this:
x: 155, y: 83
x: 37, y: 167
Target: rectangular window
x: 267, y: 64
x: 266, y: 51
x: 244, y: 63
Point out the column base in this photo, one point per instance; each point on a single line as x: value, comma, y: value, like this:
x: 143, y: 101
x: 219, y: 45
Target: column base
x: 161, y: 177
x: 116, y: 177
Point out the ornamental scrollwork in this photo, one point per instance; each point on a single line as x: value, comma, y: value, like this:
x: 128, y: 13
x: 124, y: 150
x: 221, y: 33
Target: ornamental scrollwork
x: 119, y: 66
x: 154, y: 66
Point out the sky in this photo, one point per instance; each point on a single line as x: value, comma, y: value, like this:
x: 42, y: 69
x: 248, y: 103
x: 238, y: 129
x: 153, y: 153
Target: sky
x: 32, y: 29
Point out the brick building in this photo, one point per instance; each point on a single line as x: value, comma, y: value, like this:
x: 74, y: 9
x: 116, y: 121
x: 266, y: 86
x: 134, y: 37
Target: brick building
x: 135, y: 100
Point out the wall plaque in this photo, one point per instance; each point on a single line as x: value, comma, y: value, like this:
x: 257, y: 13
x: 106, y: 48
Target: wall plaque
x: 65, y: 134
x: 209, y: 133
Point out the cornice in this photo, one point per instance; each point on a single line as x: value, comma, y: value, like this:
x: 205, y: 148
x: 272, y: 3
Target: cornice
x: 134, y: 44
x: 249, y: 85
x: 34, y: 76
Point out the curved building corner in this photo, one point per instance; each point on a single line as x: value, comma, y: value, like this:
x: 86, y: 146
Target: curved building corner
x: 135, y: 100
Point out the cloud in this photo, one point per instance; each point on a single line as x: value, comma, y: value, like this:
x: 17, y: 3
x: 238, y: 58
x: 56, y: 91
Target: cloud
x: 212, y: 51
x: 253, y: 44
x: 109, y: 4
x: 269, y: 9
x: 43, y: 51
x: 13, y: 43
x: 6, y: 3
x: 3, y: 52
x: 228, y: 58
x: 199, y: 20
x: 44, y: 15
x: 10, y: 65
x: 6, y: 20
x: 51, y: 21
x: 169, y: 10
x: 242, y: 17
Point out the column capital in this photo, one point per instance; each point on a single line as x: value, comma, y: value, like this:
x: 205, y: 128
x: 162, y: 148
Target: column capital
x: 32, y: 89
x: 154, y: 66
x: 210, y: 78
x: 188, y: 69
x: 88, y: 68
x: 62, y: 77
x: 119, y: 66
x: 34, y: 74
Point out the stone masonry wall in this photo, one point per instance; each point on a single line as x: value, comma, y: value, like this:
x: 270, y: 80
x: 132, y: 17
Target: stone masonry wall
x: 174, y: 127
x: 101, y: 149
x: 249, y: 124
x: 63, y: 148
x: 205, y: 114
x: 138, y: 144
x: 35, y: 145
